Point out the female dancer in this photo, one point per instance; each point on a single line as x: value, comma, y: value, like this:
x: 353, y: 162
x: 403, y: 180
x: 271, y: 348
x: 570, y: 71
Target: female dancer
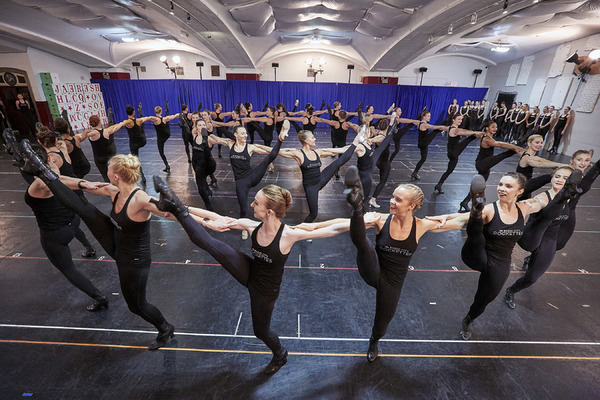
x: 251, y: 126
x: 455, y: 147
x: 531, y: 125
x: 137, y: 136
x: 492, y: 232
x: 560, y: 128
x: 546, y: 119
x: 452, y: 109
x: 494, y: 112
x: 272, y: 242
x: 124, y: 235
x: 103, y: 143
x: 486, y: 158
x: 529, y: 160
x: 186, y: 124
x: 425, y: 138
x: 269, y: 121
x: 309, y: 161
x: 500, y: 116
x: 541, y: 258
x: 474, y: 116
x: 509, y: 122
x: 202, y: 161
x: 80, y: 163
x: 309, y: 118
x: 240, y: 153
x: 162, y: 133
x: 57, y: 226
x: 385, y: 266
x: 27, y: 123
x: 520, y: 124
x: 385, y: 159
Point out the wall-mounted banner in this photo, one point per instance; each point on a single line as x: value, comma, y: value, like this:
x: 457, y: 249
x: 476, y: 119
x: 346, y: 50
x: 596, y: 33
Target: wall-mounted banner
x: 81, y: 100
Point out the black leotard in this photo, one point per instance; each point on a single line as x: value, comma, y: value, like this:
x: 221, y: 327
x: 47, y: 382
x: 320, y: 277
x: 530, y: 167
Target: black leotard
x: 80, y: 163
x: 103, y: 148
x: 49, y: 213
x: 311, y: 169
x: 266, y: 269
x: 338, y: 135
x: 133, y: 237
x: 66, y: 168
x: 309, y: 126
x: 137, y: 137
x: 394, y: 255
x: 500, y: 238
x: 528, y: 170
x: 240, y: 162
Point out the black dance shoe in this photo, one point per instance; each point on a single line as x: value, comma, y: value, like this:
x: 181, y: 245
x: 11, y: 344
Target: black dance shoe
x: 359, y: 108
x: 477, y: 195
x: 167, y: 169
x: 276, y: 363
x: 570, y: 190
x: 526, y: 263
x: 594, y: 171
x: 466, y: 334
x: 89, y: 252
x: 323, y: 104
x: 509, y: 298
x: 12, y: 146
x: 168, y: 199
x: 98, y: 305
x: 415, y: 177
x: 354, y: 193
x: 373, y: 350
x: 213, y: 181
x: 163, y: 337
x: 265, y: 106
x: 34, y: 165
x: 438, y: 188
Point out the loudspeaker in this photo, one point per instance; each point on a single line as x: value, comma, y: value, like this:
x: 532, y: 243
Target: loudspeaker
x: 423, y: 69
x: 275, y: 65
x: 199, y: 64
x: 477, y: 71
x: 136, y: 64
x: 573, y: 58
x: 350, y: 66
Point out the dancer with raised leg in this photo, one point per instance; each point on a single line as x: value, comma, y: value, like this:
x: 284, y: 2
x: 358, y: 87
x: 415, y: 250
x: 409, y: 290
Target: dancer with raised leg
x: 163, y: 133
x: 103, y: 143
x: 427, y: 133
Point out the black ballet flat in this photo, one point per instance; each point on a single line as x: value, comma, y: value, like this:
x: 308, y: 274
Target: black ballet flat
x: 466, y: 333
x: 213, y: 182
x: 373, y: 350
x: 89, y: 253
x: 464, y: 206
x: 98, y: 305
x: 509, y: 298
x: 438, y: 188
x: 276, y: 363
x: 163, y: 338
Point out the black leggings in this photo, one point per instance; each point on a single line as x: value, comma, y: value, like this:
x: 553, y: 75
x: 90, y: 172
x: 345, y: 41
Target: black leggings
x: 385, y: 164
x: 238, y: 265
x: 534, y: 184
x: 369, y: 268
x: 312, y: 191
x: 160, y: 142
x: 493, y: 273
x: 243, y: 185
x: 134, y: 148
x: 453, y: 158
x: 55, y: 244
x: 365, y: 175
x: 557, y: 137
x: 539, y: 262
x: 133, y: 274
x: 423, y: 144
x: 187, y: 143
x: 102, y: 165
x: 203, y: 164
x: 532, y: 236
x: 253, y: 127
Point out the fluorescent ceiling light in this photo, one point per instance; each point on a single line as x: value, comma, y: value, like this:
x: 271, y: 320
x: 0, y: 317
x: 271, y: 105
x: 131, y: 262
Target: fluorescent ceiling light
x: 499, y: 49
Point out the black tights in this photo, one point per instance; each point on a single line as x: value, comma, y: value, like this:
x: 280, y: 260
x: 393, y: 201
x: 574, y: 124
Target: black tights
x: 202, y: 162
x: 539, y: 262
x: 484, y: 166
x: 534, y: 184
x: 161, y: 140
x: 187, y: 143
x: 532, y: 236
x: 493, y: 273
x: 453, y: 158
x: 369, y: 268
x: 312, y: 191
x: 243, y: 185
x: 102, y: 165
x: 134, y: 148
x: 238, y: 265
x: 425, y: 139
x: 133, y: 274
x: 365, y: 175
x: 55, y: 244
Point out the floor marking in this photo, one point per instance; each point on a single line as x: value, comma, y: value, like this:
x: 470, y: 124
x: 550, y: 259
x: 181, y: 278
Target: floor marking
x: 238, y: 324
x: 145, y: 348
x: 330, y: 339
x: 298, y: 325
x: 552, y: 305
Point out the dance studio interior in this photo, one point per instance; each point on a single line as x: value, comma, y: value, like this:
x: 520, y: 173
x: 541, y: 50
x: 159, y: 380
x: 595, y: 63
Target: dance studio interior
x: 223, y: 199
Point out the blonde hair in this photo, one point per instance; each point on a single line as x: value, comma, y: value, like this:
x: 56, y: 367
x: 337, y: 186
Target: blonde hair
x: 278, y: 199
x: 157, y: 109
x: 416, y: 196
x: 533, y: 137
x: 127, y: 167
x: 302, y: 135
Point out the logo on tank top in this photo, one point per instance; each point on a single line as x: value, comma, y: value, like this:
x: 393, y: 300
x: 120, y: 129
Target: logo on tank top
x: 115, y: 223
x: 261, y: 255
x: 238, y: 157
x: 508, y: 232
x: 313, y: 165
x: 396, y: 250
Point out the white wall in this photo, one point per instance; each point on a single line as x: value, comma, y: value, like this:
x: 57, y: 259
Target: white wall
x: 21, y: 61
x: 583, y: 132
x: 443, y: 71
x: 155, y: 69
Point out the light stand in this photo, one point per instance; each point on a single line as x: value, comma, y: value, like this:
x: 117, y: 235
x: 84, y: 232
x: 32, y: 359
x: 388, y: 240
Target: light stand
x: 275, y: 66
x: 422, y: 70
x: 200, y: 64
x: 137, y: 66
x: 350, y: 68
x: 476, y: 72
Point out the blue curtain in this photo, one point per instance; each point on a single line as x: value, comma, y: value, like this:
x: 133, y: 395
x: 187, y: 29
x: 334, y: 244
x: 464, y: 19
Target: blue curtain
x: 118, y: 93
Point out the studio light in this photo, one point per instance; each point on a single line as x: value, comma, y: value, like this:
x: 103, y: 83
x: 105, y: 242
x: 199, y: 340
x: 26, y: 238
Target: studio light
x: 500, y: 49
x: 473, y: 18
x: 450, y: 29
x: 172, y: 12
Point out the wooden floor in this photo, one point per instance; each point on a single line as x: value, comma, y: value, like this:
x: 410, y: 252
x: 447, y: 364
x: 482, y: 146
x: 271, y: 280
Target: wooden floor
x: 52, y: 348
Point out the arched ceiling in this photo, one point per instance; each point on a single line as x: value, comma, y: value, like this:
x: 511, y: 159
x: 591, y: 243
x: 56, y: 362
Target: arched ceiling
x: 382, y: 35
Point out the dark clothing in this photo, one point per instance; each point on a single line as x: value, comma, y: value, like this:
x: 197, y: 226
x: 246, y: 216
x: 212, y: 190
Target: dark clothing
x: 103, y: 150
x: 162, y: 135
x: 80, y: 163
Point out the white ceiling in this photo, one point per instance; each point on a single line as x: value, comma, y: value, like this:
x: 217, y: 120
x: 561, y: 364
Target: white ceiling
x: 383, y: 35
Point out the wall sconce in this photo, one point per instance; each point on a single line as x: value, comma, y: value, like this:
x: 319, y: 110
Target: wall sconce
x: 176, y: 60
x: 313, y: 71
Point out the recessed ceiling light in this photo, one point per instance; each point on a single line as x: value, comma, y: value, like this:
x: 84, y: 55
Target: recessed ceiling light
x: 500, y: 49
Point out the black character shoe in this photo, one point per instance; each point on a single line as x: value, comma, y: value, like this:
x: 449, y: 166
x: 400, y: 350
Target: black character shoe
x: 354, y: 193
x: 464, y: 206
x: 466, y: 334
x: 359, y: 108
x: 509, y: 298
x: 373, y: 350
x: 89, y: 252
x: 98, y: 304
x: 34, y: 164
x: 167, y: 169
x: 526, y: 263
x: 322, y: 104
x: 12, y: 146
x: 168, y: 199
x: 276, y: 363
x: 415, y: 177
x: 477, y: 195
x: 163, y: 337
x: 438, y: 188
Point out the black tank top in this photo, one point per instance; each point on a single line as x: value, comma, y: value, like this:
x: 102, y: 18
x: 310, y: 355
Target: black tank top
x: 136, y: 134
x: 198, y: 147
x: 552, y: 230
x: 103, y: 148
x: 560, y: 124
x: 132, y: 238
x: 268, y: 129
x: 340, y: 133
x: 484, y: 152
x: 49, y: 213
x: 453, y: 109
x: 162, y: 130
x: 240, y: 162
x: 545, y: 119
x: 423, y: 135
x: 528, y: 170
x: 365, y: 162
x: 309, y: 126
x: 531, y: 118
x: 394, y: 255
x: 66, y: 168
x: 500, y: 238
x: 77, y: 155
x: 453, y: 142
x: 311, y: 170
x: 185, y: 124
x: 266, y: 269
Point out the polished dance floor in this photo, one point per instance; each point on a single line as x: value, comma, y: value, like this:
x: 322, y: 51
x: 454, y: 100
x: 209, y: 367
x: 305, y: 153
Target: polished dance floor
x: 52, y: 348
